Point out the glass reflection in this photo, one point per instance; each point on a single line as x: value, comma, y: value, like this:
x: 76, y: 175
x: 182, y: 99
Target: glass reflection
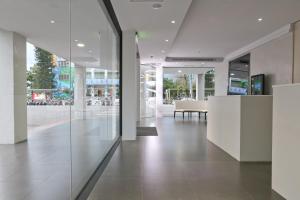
x: 95, y: 114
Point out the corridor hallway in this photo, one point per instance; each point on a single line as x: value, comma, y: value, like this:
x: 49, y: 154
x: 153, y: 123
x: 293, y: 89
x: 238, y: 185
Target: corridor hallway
x: 180, y: 164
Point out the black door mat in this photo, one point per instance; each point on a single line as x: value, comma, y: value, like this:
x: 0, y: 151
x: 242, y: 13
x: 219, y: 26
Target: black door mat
x: 146, y: 131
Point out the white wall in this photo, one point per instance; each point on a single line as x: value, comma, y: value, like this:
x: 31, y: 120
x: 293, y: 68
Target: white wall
x: 221, y: 78
x: 129, y: 85
x: 275, y: 60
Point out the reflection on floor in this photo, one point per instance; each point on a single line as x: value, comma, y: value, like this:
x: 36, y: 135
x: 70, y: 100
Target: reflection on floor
x: 147, y: 122
x: 40, y: 169
x: 181, y: 164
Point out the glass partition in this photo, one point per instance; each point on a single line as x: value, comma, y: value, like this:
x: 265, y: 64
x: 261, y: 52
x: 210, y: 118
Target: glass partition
x: 60, y: 86
x: 95, y: 114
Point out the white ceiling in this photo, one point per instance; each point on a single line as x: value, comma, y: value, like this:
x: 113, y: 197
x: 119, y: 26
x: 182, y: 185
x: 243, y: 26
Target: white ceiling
x: 156, y: 24
x: 211, y: 28
x: 31, y: 18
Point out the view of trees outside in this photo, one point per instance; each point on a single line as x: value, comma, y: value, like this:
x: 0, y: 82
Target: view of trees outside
x: 210, y: 83
x: 42, y: 89
x: 41, y: 75
x: 178, y: 87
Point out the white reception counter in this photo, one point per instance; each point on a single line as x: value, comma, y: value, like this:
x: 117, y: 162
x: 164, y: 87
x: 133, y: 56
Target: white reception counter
x: 241, y: 126
x: 286, y: 141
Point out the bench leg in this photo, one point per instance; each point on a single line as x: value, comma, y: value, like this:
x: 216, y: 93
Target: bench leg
x: 182, y: 115
x: 174, y: 114
x: 205, y: 116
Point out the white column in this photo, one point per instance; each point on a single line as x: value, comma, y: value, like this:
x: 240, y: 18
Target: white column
x: 80, y: 93
x: 296, y: 69
x: 129, y: 84
x: 159, y: 91
x: 13, y: 108
x: 200, y: 87
x: 138, y: 89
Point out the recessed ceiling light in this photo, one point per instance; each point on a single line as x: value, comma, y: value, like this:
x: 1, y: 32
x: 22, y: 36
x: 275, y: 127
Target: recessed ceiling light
x: 156, y: 6
x: 81, y: 45
x: 75, y: 40
x: 52, y: 21
x: 167, y: 40
x: 179, y: 71
x: 259, y: 19
x: 232, y: 74
x: 173, y: 22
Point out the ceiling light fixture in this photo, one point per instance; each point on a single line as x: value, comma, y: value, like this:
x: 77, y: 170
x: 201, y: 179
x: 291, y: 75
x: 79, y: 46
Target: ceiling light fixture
x: 259, y: 19
x: 52, y: 21
x: 167, y: 40
x: 232, y: 74
x: 179, y: 71
x: 156, y: 6
x: 81, y: 45
x: 75, y: 40
x: 173, y: 22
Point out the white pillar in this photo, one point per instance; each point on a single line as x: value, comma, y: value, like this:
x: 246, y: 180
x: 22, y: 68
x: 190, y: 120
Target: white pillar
x: 159, y: 91
x: 296, y: 68
x: 80, y: 93
x: 200, y: 87
x: 13, y: 108
x: 138, y: 89
x: 129, y: 84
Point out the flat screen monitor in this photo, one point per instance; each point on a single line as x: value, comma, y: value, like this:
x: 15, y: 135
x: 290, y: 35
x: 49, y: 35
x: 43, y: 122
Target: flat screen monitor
x: 258, y: 84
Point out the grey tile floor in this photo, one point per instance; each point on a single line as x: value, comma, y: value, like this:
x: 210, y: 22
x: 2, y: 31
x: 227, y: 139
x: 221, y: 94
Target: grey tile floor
x: 180, y: 164
x: 40, y: 168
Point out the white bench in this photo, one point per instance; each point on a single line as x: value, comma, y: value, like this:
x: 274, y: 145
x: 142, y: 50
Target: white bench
x: 190, y: 106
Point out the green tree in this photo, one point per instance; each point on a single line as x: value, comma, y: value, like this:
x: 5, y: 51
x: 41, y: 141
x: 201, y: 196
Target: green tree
x: 168, y: 84
x: 42, y: 72
x: 29, y: 78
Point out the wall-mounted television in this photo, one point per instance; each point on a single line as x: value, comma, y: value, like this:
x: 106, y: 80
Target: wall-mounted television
x: 258, y: 84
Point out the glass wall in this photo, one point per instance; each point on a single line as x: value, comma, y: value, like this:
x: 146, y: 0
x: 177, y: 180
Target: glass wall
x: 60, y: 86
x: 95, y: 114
